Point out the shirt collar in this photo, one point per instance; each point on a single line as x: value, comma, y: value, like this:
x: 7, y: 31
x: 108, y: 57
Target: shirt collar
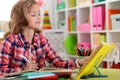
x: 26, y: 43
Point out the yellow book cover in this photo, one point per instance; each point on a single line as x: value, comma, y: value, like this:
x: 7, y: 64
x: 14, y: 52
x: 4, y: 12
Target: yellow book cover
x: 95, y: 59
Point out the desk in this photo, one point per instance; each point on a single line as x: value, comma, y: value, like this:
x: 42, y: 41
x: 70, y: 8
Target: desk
x: 113, y: 74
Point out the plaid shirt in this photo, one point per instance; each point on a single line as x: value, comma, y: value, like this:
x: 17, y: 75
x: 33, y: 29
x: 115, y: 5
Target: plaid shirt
x: 15, y: 46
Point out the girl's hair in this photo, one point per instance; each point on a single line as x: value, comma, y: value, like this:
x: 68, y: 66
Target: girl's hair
x: 18, y: 16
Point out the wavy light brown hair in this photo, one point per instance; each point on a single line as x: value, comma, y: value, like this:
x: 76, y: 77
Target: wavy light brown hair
x: 18, y: 16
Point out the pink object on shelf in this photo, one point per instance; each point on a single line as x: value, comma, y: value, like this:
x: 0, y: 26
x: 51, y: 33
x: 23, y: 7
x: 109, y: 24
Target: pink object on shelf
x: 101, y: 17
x: 85, y: 45
x: 59, y: 1
x: 85, y: 27
x: 94, y: 14
x: 98, y: 18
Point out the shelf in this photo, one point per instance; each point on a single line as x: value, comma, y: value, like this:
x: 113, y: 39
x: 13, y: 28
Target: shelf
x: 73, y: 8
x: 73, y: 32
x: 99, y: 31
x: 111, y: 1
x: 99, y: 3
x: 86, y: 6
x: 83, y: 32
x: 52, y: 30
x: 111, y: 60
x: 114, y: 31
x: 63, y: 10
x: 86, y: 14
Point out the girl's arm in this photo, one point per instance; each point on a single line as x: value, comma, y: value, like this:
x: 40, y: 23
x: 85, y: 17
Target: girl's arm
x: 6, y: 56
x: 54, y: 58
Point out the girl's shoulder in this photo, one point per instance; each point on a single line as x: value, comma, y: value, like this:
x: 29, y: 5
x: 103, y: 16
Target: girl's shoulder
x: 11, y: 37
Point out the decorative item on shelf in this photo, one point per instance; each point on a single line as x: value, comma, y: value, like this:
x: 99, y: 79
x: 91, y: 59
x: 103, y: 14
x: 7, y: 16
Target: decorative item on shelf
x: 115, y: 21
x: 92, y: 1
x: 84, y: 27
x: 95, y: 1
x: 71, y: 3
x: 46, y: 20
x: 111, y: 12
x: 40, y: 2
x: 97, y: 38
x: 60, y: 4
x: 104, y: 64
x: 61, y: 24
x: 114, y: 57
x: 98, y: 18
x: 70, y: 44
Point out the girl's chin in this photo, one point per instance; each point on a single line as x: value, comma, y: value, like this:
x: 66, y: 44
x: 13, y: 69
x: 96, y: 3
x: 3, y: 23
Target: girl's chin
x: 37, y: 28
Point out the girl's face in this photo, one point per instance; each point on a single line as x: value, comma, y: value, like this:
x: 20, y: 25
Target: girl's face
x: 33, y: 17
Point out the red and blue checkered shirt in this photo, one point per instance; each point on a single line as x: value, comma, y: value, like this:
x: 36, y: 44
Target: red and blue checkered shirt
x: 16, y: 45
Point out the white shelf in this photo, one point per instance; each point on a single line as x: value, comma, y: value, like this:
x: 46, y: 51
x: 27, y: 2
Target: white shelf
x: 62, y: 10
x: 99, y: 31
x: 100, y: 3
x: 52, y: 30
x: 114, y: 31
x: 83, y: 32
x: 86, y: 6
x: 73, y: 8
x: 111, y: 1
x: 84, y: 12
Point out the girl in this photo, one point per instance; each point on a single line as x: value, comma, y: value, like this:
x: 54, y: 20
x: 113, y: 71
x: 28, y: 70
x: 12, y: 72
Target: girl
x: 25, y: 48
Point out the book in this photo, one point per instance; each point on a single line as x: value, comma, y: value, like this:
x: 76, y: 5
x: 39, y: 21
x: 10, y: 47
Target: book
x: 17, y: 73
x: 43, y: 72
x: 54, y: 69
x: 40, y: 75
x: 34, y: 76
x: 95, y: 59
x: 60, y: 72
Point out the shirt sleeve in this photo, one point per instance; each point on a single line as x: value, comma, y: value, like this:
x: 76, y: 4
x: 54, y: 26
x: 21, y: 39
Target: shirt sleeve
x: 54, y: 58
x: 6, y: 57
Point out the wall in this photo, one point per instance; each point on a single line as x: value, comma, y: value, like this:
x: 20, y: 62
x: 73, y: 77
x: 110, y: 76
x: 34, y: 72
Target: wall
x: 6, y: 6
x: 5, y: 9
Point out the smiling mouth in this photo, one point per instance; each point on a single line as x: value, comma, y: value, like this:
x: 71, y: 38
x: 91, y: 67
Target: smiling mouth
x: 37, y: 22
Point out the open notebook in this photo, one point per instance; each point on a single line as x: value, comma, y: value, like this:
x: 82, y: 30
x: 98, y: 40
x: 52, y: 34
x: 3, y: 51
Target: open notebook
x: 95, y: 59
x: 61, y: 71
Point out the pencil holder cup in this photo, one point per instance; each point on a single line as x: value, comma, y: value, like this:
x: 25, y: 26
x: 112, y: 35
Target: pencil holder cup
x: 83, y: 49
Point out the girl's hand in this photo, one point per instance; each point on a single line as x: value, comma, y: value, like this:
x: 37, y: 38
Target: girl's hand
x: 32, y: 65
x: 83, y: 61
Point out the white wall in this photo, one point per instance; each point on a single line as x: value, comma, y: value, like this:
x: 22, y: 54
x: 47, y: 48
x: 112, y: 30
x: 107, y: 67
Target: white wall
x: 5, y: 9
x: 6, y: 6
